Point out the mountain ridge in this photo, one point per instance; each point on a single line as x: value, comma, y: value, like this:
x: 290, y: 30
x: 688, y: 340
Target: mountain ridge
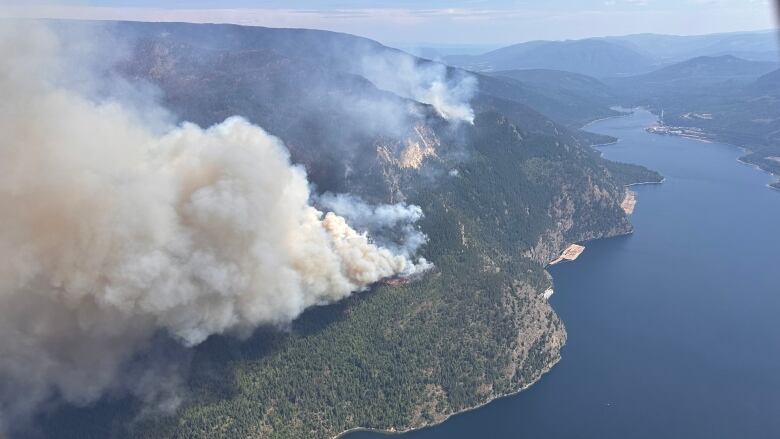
x: 593, y: 57
x: 501, y: 198
x: 622, y: 55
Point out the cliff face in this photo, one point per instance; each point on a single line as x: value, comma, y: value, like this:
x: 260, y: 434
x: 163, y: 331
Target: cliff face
x: 567, y: 230
x: 502, y: 197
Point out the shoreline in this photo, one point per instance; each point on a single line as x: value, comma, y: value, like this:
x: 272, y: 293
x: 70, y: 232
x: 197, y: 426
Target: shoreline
x: 745, y: 151
x: 570, y: 253
x: 617, y: 140
x: 646, y: 182
x: 713, y: 139
x: 626, y: 113
x: 759, y: 168
x: 600, y: 145
x: 707, y: 138
x: 547, y: 368
x: 544, y: 372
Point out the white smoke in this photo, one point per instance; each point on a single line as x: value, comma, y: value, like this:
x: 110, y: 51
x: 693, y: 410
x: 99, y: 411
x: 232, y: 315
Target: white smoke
x: 391, y: 225
x: 111, y: 233
x: 425, y: 82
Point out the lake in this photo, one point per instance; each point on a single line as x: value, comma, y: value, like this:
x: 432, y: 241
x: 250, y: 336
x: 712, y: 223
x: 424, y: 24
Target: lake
x: 674, y: 331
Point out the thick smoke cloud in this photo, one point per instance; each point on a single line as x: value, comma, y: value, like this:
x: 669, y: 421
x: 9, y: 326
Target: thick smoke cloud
x: 112, y: 232
x: 426, y: 82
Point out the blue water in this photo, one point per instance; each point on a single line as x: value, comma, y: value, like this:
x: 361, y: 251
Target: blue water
x: 674, y: 331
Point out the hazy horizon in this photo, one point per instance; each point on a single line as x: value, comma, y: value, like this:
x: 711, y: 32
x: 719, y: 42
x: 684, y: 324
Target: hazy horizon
x: 476, y: 23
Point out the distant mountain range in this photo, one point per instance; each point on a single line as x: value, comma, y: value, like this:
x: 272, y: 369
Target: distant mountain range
x: 664, y: 49
x: 620, y: 56
x: 710, y: 68
x: 595, y: 57
x: 729, y: 98
x: 717, y: 71
x: 575, y: 99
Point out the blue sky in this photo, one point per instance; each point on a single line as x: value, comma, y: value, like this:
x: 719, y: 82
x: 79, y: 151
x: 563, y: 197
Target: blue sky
x: 481, y: 22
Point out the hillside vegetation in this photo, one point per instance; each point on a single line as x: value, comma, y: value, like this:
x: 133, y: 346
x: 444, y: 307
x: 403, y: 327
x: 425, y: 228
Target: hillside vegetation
x: 501, y: 198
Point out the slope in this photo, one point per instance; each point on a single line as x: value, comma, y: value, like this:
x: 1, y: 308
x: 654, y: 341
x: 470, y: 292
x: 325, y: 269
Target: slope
x: 570, y: 98
x: 501, y: 198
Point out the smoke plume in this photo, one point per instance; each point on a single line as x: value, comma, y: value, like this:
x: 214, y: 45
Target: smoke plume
x: 390, y: 225
x: 112, y: 232
x: 427, y: 82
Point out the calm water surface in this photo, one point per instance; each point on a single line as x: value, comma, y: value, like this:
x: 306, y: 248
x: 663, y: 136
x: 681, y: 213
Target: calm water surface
x: 674, y: 331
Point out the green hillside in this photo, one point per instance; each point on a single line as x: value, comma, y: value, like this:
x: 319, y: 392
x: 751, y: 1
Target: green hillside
x: 501, y: 198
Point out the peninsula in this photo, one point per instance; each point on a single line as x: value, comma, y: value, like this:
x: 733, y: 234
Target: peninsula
x: 571, y: 253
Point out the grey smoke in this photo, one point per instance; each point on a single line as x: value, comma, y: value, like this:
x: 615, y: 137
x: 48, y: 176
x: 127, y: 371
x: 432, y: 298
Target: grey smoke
x: 426, y: 82
x: 112, y: 231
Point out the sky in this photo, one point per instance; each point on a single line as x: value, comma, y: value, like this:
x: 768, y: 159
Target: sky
x: 434, y: 22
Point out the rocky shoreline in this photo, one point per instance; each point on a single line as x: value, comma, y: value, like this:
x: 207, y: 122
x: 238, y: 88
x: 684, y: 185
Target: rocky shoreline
x: 551, y: 245
x: 446, y: 417
x: 578, y: 249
